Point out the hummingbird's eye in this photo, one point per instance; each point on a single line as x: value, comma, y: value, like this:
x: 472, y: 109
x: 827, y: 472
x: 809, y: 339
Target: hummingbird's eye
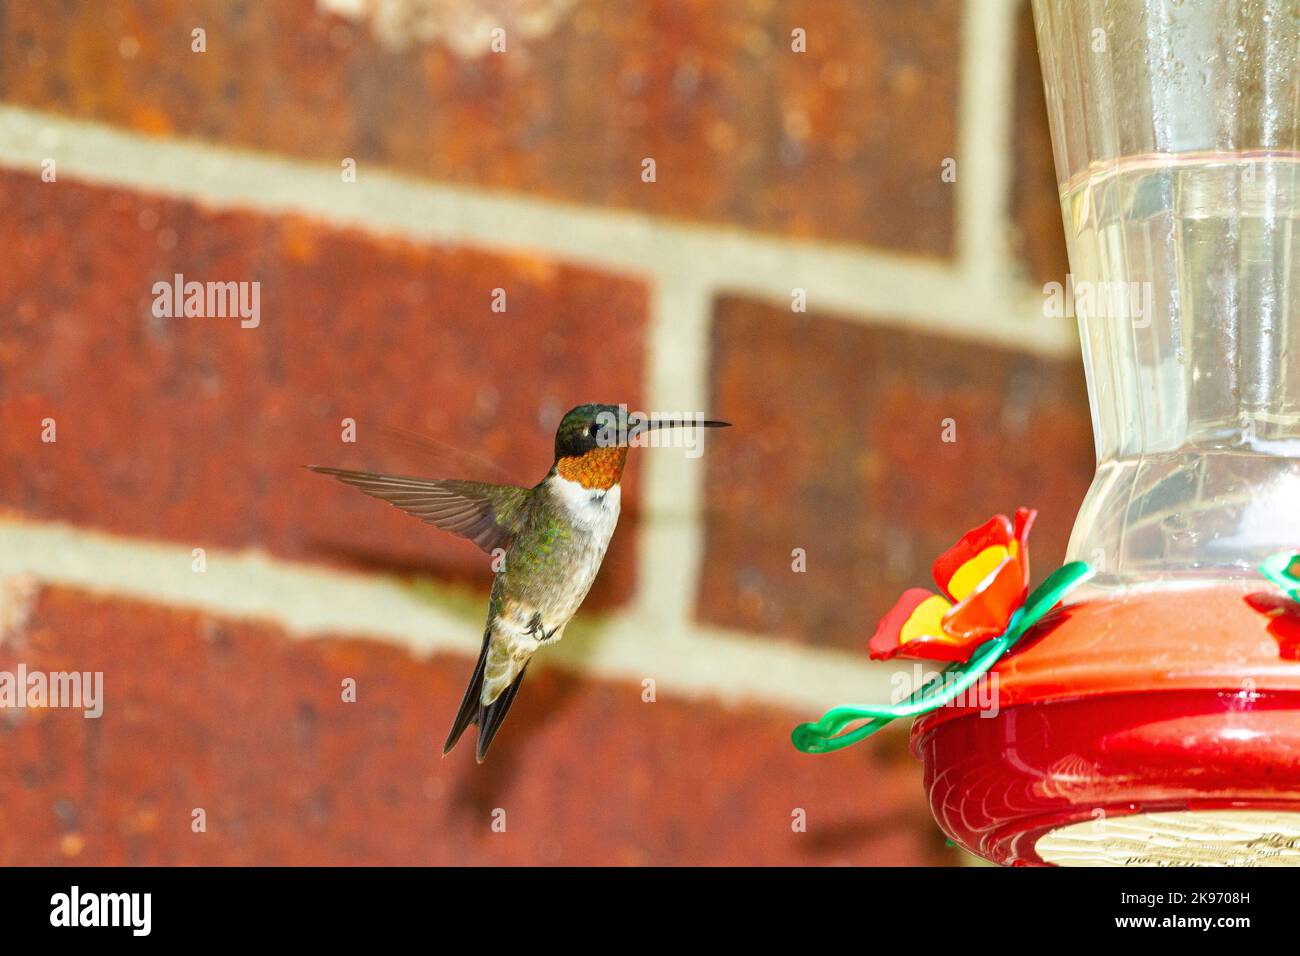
x: 593, y: 431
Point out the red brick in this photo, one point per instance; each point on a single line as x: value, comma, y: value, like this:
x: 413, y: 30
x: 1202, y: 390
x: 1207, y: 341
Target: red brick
x: 195, y: 430
x: 249, y: 725
x: 843, y: 457
x: 1036, y: 208
x: 843, y: 142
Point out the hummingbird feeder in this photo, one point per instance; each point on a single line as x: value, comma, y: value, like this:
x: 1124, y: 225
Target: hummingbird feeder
x: 1148, y: 693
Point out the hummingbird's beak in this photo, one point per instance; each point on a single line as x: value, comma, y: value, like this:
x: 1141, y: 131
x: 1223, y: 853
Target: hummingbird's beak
x: 683, y: 423
x: 637, y: 426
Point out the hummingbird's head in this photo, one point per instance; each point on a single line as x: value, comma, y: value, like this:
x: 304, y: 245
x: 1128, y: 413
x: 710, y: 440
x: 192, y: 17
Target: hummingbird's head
x: 592, y: 441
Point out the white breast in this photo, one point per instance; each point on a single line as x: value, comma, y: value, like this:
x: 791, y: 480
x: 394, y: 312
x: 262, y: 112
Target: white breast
x: 593, y: 513
x: 592, y: 510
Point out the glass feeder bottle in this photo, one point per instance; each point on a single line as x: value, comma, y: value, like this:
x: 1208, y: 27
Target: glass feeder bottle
x: 1157, y: 720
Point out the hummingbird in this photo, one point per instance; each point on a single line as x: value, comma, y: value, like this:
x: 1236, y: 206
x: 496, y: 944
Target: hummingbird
x: 550, y: 539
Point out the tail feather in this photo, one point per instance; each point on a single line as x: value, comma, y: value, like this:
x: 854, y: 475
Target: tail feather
x: 491, y: 716
x: 469, y: 704
x: 472, y: 711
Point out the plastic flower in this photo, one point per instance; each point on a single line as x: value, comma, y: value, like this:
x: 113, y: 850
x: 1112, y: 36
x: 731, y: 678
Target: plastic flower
x: 1283, y: 608
x: 983, y: 612
x: 984, y: 580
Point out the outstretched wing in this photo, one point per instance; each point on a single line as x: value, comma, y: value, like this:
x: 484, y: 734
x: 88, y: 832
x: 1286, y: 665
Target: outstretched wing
x: 488, y: 515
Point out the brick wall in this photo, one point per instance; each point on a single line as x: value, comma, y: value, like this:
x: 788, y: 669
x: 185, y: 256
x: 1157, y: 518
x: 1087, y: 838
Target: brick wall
x: 781, y: 177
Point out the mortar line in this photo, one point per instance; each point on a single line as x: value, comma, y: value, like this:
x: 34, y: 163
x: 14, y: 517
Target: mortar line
x: 862, y: 285
x: 677, y: 381
x: 986, y: 143
x: 310, y: 602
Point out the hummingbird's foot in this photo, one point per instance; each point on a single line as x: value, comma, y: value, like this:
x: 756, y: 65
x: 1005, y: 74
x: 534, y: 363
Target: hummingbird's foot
x: 537, y: 630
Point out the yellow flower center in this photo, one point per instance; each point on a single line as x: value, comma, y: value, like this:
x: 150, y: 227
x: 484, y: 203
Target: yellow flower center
x: 926, y: 621
x: 968, y: 577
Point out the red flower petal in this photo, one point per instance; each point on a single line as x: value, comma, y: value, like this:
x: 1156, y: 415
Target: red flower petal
x: 1271, y: 602
x: 1024, y: 524
x: 1285, y: 624
x: 939, y: 649
x: 987, y: 610
x: 884, y: 644
x: 1286, y: 631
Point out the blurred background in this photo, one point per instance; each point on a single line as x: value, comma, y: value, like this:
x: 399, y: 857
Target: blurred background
x: 828, y: 222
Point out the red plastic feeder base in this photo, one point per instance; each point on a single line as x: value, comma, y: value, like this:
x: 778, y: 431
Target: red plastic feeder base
x: 1160, y: 728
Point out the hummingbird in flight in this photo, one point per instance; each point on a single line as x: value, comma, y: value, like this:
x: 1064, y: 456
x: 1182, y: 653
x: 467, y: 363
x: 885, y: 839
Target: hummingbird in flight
x: 551, y: 539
